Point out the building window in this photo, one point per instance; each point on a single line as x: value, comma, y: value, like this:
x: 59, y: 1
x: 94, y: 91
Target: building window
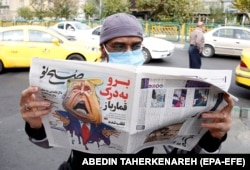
x: 21, y: 3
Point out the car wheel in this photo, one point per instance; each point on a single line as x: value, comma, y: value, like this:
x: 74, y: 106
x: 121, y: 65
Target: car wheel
x: 147, y: 55
x: 208, y: 51
x: 76, y: 57
x: 1, y: 67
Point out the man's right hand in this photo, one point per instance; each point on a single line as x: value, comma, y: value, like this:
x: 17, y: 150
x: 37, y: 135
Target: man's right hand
x: 31, y: 108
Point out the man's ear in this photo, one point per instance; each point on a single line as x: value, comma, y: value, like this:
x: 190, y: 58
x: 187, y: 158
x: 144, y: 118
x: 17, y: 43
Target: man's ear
x: 104, y: 54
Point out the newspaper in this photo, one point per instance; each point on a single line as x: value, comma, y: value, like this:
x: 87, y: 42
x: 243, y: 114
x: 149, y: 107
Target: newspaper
x: 111, y: 108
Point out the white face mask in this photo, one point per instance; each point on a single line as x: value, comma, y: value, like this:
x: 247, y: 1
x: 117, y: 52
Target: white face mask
x: 134, y: 57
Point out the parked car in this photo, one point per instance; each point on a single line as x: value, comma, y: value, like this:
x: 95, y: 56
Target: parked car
x: 156, y: 48
x: 71, y: 28
x: 18, y: 44
x: 226, y: 40
x: 242, y: 70
x: 153, y: 48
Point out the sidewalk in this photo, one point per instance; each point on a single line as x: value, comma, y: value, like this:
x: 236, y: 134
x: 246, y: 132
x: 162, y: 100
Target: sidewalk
x: 239, y: 135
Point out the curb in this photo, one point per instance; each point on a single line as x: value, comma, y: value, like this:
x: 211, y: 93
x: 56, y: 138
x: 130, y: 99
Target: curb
x: 238, y: 112
x: 177, y: 45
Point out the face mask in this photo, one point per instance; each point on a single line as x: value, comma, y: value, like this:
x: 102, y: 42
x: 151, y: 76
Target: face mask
x: 135, y: 57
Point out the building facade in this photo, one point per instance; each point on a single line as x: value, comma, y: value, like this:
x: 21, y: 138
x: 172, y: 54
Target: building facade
x: 8, y: 10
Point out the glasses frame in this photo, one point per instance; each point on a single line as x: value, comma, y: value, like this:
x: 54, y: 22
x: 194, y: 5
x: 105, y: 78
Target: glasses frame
x: 123, y: 47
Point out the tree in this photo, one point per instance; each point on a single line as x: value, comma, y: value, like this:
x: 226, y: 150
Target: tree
x: 217, y: 15
x: 89, y: 8
x: 242, y: 5
x: 110, y: 7
x: 106, y: 7
x: 40, y: 8
x: 243, y: 11
x: 63, y: 8
x: 169, y: 10
x: 25, y: 12
x: 54, y: 8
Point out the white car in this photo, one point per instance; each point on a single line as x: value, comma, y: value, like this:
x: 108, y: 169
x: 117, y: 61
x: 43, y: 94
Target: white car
x: 226, y: 40
x: 71, y: 28
x: 156, y: 48
x: 153, y: 48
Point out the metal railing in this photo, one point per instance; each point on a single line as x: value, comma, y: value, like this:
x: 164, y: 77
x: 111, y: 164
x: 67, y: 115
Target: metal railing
x: 174, y: 32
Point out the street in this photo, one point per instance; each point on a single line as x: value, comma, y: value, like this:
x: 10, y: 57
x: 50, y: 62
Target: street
x: 16, y: 152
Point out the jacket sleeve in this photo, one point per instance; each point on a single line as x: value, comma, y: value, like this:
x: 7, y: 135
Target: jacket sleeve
x: 37, y: 136
x: 209, y: 144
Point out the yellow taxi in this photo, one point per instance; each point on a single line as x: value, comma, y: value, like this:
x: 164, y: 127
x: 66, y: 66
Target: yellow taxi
x: 18, y: 44
x: 242, y: 70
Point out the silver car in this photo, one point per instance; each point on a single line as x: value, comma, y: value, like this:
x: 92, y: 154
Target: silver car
x: 226, y: 40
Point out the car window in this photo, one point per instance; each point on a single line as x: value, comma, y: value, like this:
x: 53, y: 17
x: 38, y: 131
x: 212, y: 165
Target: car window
x: 13, y: 35
x: 40, y: 36
x: 242, y: 34
x: 97, y: 31
x: 60, y: 26
x: 225, y: 33
x: 69, y: 27
x: 81, y: 26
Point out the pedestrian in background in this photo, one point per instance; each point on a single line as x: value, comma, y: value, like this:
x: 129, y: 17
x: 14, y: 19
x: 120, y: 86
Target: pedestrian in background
x: 196, y: 40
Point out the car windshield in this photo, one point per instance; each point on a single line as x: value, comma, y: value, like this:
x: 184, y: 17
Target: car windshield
x: 81, y: 26
x: 70, y: 38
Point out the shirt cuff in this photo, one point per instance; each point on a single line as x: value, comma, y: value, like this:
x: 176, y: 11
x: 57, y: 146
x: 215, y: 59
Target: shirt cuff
x: 37, y: 134
x: 211, y: 144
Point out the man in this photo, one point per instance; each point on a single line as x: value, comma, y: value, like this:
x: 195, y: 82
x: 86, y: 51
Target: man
x: 120, y: 42
x: 196, y: 40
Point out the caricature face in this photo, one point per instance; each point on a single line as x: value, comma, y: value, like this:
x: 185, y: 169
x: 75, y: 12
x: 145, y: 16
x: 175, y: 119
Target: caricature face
x: 81, y: 100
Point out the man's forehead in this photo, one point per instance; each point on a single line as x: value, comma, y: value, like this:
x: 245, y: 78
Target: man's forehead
x: 126, y: 40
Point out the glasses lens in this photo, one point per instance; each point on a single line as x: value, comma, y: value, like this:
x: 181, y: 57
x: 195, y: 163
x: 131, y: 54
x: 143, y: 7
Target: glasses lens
x: 117, y: 47
x: 120, y: 47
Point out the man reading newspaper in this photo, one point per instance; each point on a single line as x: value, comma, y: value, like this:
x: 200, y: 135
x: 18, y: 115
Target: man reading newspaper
x: 121, y: 42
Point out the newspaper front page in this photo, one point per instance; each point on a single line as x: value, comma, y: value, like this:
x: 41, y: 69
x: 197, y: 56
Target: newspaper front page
x: 111, y: 108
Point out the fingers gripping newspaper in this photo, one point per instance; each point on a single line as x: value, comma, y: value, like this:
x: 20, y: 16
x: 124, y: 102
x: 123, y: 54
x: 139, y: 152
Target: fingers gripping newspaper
x: 111, y: 108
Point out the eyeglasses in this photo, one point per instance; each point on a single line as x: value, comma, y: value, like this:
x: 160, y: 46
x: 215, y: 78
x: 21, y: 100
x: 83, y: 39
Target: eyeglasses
x: 123, y: 47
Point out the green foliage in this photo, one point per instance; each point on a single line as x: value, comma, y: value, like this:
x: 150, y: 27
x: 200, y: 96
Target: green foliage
x: 242, y: 5
x: 110, y: 7
x: 40, y: 8
x: 181, y: 11
x: 105, y: 7
x: 169, y: 10
x: 25, y: 13
x: 90, y: 9
x: 217, y: 15
x: 54, y: 8
x: 63, y: 9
